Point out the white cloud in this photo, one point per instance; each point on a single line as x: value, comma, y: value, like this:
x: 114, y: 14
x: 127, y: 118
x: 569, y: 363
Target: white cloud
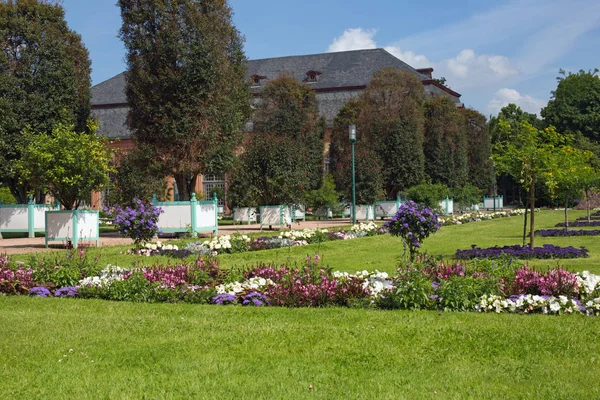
x: 354, y: 39
x: 409, y: 57
x: 469, y: 69
x: 505, y: 96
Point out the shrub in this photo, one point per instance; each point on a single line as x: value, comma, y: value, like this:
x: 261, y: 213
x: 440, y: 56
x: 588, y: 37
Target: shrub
x: 413, y: 290
x: 138, y: 222
x: 413, y: 223
x: 428, y: 194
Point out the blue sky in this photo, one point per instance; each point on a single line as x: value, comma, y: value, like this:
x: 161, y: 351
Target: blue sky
x: 492, y: 52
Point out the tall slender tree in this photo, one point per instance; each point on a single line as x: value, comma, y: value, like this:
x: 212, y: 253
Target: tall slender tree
x: 44, y: 79
x: 391, y: 118
x: 186, y: 85
x: 283, y: 157
x: 445, y: 145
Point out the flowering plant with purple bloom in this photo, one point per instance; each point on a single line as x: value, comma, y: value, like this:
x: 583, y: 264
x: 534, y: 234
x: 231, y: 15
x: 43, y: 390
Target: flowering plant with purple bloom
x: 138, y: 222
x: 413, y: 223
x: 564, y: 232
x: 39, y: 291
x: 67, y: 291
x: 224, y: 299
x: 548, y: 251
x: 256, y: 299
x: 579, y: 224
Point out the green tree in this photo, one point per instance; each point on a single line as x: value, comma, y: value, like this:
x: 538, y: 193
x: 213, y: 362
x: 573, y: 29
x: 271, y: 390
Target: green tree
x: 326, y: 197
x: 528, y: 154
x: 269, y: 172
x: 428, y: 194
x: 69, y: 164
x: 290, y: 109
x: 445, y: 145
x: 571, y: 173
x: 479, y: 149
x: 186, y: 85
x: 368, y: 164
x: 391, y: 122
x: 575, y: 104
x: 44, y: 79
x: 138, y: 176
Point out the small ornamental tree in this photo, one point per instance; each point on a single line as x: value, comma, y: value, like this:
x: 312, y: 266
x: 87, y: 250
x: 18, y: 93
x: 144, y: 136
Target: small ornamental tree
x: 68, y: 164
x: 138, y: 222
x: 413, y: 223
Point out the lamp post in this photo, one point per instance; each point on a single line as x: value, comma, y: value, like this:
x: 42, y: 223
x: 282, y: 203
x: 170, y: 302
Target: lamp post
x: 352, y: 132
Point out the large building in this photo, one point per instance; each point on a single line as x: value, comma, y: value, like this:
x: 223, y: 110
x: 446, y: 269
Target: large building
x: 335, y: 78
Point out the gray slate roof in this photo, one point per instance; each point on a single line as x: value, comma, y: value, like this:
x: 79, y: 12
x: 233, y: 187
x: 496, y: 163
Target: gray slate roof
x: 342, y: 69
x: 111, y: 91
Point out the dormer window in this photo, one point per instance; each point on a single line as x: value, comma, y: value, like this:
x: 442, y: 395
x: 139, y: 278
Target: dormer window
x: 256, y: 80
x: 312, y: 76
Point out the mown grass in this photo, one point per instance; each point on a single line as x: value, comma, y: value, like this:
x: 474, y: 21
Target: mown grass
x: 384, y: 252
x: 59, y: 348
x: 127, y: 350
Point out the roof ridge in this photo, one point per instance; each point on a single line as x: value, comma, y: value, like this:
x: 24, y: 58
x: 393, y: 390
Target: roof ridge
x: 318, y: 54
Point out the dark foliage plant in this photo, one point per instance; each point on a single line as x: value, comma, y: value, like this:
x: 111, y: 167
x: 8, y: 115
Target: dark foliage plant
x: 563, y: 232
x: 547, y: 251
x: 579, y: 224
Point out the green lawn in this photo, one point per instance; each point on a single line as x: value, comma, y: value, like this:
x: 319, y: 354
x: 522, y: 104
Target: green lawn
x: 59, y: 348
x: 383, y: 252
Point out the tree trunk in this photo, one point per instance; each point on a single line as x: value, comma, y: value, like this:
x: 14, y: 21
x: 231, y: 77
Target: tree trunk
x: 588, y: 205
x: 532, y: 212
x: 566, y: 212
x: 525, y: 223
x: 186, y: 182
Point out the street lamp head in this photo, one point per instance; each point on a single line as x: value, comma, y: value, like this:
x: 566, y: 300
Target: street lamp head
x: 352, y: 131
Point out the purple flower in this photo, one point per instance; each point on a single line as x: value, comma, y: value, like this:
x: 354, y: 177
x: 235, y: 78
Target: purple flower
x: 67, y: 291
x: 255, y: 299
x: 223, y: 299
x: 39, y: 291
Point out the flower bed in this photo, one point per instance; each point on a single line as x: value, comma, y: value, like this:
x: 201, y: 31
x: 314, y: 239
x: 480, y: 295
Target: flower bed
x: 426, y: 284
x: 238, y: 243
x: 479, y: 216
x: 547, y: 251
x: 562, y: 232
x: 579, y: 224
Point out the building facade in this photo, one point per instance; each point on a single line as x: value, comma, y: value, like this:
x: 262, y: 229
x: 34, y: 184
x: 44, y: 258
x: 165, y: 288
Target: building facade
x: 335, y: 78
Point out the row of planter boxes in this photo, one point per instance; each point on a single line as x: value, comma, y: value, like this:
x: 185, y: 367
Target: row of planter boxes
x: 76, y: 226
x: 65, y: 226
x: 284, y: 215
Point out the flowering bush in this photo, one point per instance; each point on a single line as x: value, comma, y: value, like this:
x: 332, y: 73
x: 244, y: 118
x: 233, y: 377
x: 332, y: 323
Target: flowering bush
x: 548, y: 251
x: 479, y: 216
x: 138, y: 222
x: 413, y: 223
x: 40, y: 291
x: 528, y: 303
x: 67, y: 291
x: 553, y: 282
x: 562, y: 232
x: 579, y: 224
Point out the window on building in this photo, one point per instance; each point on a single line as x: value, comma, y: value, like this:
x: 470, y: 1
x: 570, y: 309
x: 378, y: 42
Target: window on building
x: 256, y: 80
x: 312, y: 76
x: 327, y: 162
x: 212, y: 181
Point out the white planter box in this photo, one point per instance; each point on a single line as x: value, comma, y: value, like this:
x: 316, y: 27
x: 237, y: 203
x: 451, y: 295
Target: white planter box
x: 447, y: 206
x: 493, y: 202
x: 387, y: 208
x: 364, y: 212
x: 299, y: 212
x: 275, y: 215
x: 186, y: 216
x: 23, y: 218
x: 73, y: 225
x: 244, y: 214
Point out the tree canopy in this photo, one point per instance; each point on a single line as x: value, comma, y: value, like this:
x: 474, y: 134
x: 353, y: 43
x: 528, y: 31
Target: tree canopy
x: 69, y: 164
x: 186, y: 85
x: 575, y: 104
x: 283, y: 158
x: 44, y: 79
